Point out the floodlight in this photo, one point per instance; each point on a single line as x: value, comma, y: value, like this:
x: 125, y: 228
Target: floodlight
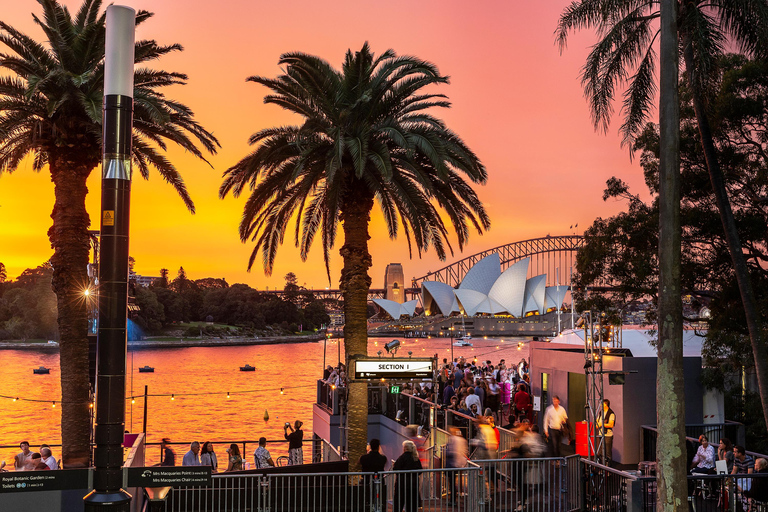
x: 392, y: 346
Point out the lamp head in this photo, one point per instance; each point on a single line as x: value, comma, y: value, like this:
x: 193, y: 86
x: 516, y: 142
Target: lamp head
x: 392, y: 346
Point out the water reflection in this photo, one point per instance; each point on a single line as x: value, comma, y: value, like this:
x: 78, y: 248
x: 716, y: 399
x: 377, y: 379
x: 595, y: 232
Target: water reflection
x: 199, y: 378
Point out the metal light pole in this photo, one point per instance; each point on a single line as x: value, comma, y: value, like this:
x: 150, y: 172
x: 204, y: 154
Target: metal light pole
x: 113, y: 257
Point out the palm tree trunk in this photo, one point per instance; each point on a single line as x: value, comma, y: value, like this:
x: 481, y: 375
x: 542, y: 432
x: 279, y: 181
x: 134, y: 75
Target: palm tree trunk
x: 71, y: 245
x: 355, y: 283
x: 740, y: 269
x: 670, y: 392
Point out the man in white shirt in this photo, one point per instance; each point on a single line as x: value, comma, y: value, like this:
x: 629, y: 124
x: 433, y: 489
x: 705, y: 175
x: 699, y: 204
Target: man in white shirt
x: 554, y: 418
x: 20, y: 460
x: 472, y: 398
x: 191, y: 458
x: 47, y: 457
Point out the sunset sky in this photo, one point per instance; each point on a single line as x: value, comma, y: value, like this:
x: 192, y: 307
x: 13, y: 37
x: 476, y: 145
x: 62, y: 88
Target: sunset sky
x: 516, y: 102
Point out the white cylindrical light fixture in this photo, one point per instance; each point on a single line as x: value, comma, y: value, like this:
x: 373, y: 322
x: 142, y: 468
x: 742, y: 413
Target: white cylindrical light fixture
x: 119, y: 50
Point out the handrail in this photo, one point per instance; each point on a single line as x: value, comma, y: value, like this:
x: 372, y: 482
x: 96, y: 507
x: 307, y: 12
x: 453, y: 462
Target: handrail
x: 617, y: 472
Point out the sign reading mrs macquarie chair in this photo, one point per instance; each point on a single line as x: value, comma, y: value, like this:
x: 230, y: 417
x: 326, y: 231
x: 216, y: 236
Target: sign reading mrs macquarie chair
x: 394, y: 368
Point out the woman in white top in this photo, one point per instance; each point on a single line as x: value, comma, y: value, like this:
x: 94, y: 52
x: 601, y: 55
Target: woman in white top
x: 208, y: 457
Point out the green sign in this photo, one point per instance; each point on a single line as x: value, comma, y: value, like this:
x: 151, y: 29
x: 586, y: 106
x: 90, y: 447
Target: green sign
x: 394, y: 389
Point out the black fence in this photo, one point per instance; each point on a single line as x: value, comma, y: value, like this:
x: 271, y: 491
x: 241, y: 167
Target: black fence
x: 715, y: 493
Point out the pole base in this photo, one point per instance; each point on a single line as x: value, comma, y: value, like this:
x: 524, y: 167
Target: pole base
x: 116, y: 501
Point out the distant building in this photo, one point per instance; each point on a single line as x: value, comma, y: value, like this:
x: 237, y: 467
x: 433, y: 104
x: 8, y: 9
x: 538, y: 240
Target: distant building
x: 143, y: 281
x: 394, y: 283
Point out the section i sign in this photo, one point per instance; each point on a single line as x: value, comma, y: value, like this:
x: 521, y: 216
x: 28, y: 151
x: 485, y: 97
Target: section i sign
x: 394, y: 368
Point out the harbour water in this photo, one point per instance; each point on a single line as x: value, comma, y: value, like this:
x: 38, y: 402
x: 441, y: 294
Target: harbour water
x: 200, y: 378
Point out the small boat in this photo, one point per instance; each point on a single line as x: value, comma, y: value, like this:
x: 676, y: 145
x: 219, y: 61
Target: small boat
x: 146, y: 369
x: 462, y: 343
x: 41, y: 371
x: 247, y: 368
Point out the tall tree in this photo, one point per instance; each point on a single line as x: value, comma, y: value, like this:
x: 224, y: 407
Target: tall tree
x: 626, y: 54
x: 627, y: 42
x: 51, y: 107
x: 366, y: 136
x: 3, y: 273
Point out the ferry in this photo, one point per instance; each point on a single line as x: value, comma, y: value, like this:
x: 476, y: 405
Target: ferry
x: 146, y: 369
x: 247, y: 368
x: 463, y: 342
x: 41, y: 371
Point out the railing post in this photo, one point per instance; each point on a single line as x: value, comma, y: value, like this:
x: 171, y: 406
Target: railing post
x: 376, y: 494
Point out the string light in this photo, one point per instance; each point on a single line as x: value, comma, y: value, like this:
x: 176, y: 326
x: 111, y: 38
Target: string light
x: 53, y: 404
x: 173, y: 397
x: 15, y: 399
x: 90, y: 405
x: 133, y: 400
x: 281, y: 391
x: 227, y: 394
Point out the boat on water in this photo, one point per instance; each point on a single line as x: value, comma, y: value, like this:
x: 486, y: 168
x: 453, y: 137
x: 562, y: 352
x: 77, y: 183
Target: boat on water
x: 463, y: 342
x: 41, y: 371
x: 247, y: 368
x: 146, y: 369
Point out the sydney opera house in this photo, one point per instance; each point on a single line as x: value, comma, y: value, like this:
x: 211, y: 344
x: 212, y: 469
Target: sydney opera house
x: 488, y: 301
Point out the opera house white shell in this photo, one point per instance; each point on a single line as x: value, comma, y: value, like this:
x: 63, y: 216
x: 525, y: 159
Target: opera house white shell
x: 487, y: 290
x: 395, y: 309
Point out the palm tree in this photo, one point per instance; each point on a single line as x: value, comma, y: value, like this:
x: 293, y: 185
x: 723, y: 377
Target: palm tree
x: 366, y: 136
x: 3, y: 273
x: 51, y: 109
x: 626, y: 54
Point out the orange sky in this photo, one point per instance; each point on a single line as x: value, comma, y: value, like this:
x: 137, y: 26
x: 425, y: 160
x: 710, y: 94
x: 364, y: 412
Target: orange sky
x: 516, y: 102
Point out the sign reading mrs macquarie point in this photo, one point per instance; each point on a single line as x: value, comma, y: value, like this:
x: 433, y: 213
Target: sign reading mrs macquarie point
x: 394, y: 368
x: 168, y: 476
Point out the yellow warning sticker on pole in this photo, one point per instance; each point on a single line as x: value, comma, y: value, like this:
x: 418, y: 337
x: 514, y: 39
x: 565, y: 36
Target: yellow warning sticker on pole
x: 108, y: 218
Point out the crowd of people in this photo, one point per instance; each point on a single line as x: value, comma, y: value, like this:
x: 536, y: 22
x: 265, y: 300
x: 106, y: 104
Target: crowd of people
x: 205, y: 455
x: 27, y: 460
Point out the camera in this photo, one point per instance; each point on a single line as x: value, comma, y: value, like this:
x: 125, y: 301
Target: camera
x: 287, y: 424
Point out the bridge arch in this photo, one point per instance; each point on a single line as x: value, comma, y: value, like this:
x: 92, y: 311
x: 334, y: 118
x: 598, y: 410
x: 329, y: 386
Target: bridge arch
x: 548, y: 254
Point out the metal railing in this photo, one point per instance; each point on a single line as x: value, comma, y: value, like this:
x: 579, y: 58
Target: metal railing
x: 454, y: 490
x: 320, y: 451
x: 714, y: 493
x: 605, y: 488
x: 714, y: 433
x: 531, y: 484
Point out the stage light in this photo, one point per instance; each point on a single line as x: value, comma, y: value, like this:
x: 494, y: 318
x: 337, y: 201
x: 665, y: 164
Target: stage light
x: 392, y: 345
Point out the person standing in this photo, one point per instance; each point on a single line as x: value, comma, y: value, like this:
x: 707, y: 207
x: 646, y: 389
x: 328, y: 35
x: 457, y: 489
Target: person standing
x: 192, y: 457
x: 169, y: 456
x: 456, y: 455
x: 373, y: 461
x: 235, y: 462
x: 208, y: 457
x: 522, y: 401
x: 261, y: 457
x: 407, y: 485
x: 608, y: 418
x: 20, y: 460
x: 554, y: 419
x: 295, y: 443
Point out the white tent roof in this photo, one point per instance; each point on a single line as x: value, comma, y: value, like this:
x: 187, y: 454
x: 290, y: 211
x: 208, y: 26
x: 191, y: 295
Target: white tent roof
x: 637, y: 341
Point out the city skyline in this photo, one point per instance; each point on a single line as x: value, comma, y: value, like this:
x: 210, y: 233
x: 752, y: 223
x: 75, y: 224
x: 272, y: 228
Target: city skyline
x: 516, y: 102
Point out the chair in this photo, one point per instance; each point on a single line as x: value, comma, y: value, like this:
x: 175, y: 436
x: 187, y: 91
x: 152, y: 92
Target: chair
x: 721, y: 466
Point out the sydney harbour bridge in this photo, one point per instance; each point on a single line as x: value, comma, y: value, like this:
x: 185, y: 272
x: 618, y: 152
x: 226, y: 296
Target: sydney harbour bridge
x: 554, y: 256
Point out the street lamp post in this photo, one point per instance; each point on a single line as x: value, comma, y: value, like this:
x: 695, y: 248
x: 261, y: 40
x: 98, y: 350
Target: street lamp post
x: 113, y: 262
x: 450, y: 329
